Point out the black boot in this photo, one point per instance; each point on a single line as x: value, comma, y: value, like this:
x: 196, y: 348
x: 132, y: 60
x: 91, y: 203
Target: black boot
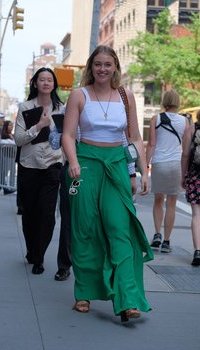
x: 37, y: 269
x: 196, y: 258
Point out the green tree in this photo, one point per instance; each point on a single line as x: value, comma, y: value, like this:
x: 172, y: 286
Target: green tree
x: 166, y: 60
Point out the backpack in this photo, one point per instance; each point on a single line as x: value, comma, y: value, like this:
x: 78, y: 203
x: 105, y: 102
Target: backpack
x: 196, y: 145
x: 165, y: 122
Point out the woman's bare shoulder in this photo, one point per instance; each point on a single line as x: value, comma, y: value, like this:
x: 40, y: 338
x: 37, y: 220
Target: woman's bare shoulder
x: 153, y: 119
x: 76, y: 92
x: 76, y: 96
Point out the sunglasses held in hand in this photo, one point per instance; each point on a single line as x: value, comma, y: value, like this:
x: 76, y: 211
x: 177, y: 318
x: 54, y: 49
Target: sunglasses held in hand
x: 73, y: 187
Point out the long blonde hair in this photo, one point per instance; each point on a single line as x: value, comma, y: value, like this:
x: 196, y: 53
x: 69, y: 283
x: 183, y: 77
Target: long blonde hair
x: 88, y: 78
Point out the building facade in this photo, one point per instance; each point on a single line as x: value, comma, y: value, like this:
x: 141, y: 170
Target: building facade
x: 46, y: 58
x: 130, y: 19
x: 78, y: 45
x: 106, y: 25
x: 119, y: 22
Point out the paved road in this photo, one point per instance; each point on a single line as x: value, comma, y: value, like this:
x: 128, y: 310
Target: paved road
x: 36, y: 311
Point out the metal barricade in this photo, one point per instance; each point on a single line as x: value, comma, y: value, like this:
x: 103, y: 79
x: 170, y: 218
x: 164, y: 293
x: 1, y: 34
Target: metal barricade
x: 8, y: 166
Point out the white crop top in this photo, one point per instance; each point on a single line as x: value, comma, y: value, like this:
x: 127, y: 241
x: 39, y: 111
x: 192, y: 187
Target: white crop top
x: 93, y: 125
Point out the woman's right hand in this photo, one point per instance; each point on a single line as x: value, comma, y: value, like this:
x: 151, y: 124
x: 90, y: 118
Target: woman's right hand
x: 74, y: 170
x: 183, y: 183
x: 44, y: 121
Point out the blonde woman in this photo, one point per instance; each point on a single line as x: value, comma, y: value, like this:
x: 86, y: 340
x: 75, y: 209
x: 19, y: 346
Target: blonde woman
x: 164, y: 153
x: 108, y: 241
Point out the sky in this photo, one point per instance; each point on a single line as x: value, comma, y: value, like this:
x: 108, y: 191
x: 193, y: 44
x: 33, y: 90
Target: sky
x: 44, y: 21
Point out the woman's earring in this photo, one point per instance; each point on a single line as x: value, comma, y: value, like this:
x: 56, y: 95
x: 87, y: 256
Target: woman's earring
x: 114, y: 77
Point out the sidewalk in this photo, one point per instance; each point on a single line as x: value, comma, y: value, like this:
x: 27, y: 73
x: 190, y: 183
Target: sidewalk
x: 36, y: 311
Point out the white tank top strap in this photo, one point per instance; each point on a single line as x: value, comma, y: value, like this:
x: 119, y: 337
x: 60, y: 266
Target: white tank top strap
x: 87, y: 96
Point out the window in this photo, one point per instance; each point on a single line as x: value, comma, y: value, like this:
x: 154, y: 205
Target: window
x: 112, y: 26
x: 146, y: 127
x: 189, y: 4
x: 152, y: 94
x: 106, y: 30
x: 160, y: 3
x: 117, y: 28
x: 129, y: 19
x: 128, y: 49
x: 150, y: 25
x: 194, y: 4
x: 47, y: 51
x: 133, y: 14
x: 183, y: 4
x: 124, y: 51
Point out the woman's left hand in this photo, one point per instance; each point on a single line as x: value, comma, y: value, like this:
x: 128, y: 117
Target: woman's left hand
x: 133, y: 185
x: 74, y: 170
x: 144, y: 184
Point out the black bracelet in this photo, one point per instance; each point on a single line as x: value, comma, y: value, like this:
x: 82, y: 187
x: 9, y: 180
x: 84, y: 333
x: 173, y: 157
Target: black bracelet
x: 132, y: 175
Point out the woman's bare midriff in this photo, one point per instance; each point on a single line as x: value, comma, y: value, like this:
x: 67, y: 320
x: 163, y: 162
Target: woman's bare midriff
x: 101, y: 144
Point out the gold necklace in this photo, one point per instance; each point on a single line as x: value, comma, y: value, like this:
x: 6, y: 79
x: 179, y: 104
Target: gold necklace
x: 105, y: 112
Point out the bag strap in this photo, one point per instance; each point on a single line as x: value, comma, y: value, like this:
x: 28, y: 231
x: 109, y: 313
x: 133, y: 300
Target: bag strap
x: 171, y: 128
x: 126, y: 104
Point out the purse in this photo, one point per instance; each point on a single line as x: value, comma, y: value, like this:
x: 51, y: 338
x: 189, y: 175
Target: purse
x: 131, y: 152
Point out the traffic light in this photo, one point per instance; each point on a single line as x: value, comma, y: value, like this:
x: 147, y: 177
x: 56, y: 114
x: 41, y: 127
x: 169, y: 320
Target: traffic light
x: 65, y: 77
x: 17, y: 18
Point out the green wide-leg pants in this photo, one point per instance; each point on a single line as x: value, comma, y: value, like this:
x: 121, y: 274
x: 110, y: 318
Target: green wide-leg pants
x: 109, y: 245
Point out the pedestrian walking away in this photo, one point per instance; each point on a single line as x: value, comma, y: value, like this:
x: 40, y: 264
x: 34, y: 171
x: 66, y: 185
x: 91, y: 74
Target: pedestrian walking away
x: 164, y: 148
x: 191, y: 182
x: 108, y: 243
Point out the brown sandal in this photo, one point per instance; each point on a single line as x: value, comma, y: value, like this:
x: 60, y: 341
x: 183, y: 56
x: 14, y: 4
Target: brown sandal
x: 82, y: 306
x: 131, y: 313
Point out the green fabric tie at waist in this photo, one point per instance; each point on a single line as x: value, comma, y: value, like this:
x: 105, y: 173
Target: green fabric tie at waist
x: 113, y: 160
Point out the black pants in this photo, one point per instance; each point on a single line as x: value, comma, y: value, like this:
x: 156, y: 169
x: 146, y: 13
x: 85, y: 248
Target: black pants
x: 39, y: 191
x: 19, y: 169
x: 19, y: 186
x: 63, y: 256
